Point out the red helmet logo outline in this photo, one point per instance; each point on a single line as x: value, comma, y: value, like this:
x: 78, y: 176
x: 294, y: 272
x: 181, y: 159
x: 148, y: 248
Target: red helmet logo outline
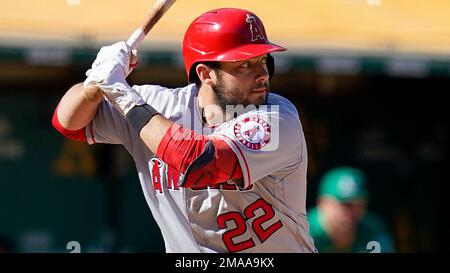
x: 254, y: 29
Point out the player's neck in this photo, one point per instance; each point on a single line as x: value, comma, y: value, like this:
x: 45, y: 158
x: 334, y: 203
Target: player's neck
x: 212, y: 113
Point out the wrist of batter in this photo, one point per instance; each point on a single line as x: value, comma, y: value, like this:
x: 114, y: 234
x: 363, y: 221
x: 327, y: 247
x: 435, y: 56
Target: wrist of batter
x: 140, y: 115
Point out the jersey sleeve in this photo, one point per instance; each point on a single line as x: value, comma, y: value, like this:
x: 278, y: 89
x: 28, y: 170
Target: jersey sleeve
x: 108, y: 126
x: 266, y: 142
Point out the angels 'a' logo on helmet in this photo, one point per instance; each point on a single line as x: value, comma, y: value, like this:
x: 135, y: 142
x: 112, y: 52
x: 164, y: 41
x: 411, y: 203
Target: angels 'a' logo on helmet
x: 252, y: 132
x: 255, y: 31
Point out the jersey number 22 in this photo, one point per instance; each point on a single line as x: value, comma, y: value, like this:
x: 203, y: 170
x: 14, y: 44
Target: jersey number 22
x: 241, y: 226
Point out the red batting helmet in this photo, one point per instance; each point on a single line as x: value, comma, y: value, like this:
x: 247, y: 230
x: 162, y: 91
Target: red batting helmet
x: 226, y: 34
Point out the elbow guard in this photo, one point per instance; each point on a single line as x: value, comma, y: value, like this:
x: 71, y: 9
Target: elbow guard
x: 216, y: 164
x: 204, y: 161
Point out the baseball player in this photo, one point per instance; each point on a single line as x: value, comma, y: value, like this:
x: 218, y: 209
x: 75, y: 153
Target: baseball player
x: 222, y: 162
x: 341, y: 221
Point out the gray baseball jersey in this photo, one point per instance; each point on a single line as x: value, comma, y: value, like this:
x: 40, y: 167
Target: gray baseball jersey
x: 267, y: 214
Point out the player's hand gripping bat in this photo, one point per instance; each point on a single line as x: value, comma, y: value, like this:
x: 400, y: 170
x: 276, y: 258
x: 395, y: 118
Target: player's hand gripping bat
x: 93, y: 92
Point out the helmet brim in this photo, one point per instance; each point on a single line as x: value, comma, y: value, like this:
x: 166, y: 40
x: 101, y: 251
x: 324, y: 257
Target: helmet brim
x: 248, y: 51
x: 240, y: 53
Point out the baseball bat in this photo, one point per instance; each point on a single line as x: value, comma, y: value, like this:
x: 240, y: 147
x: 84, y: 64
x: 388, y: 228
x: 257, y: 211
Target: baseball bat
x: 159, y: 8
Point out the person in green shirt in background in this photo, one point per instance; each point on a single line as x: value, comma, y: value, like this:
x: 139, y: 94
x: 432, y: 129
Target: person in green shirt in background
x: 341, y: 222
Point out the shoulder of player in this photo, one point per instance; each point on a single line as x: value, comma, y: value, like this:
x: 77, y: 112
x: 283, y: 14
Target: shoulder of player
x: 279, y: 111
x: 285, y: 105
x: 278, y: 108
x: 315, y: 226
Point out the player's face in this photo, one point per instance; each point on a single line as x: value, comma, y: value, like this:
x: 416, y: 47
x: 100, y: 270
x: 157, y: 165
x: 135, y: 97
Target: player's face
x: 344, y: 216
x: 244, y: 82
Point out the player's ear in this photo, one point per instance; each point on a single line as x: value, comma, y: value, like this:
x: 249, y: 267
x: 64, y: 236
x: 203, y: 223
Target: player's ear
x: 204, y: 74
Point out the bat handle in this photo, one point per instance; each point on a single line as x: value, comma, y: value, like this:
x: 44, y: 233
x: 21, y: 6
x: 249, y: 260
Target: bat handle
x: 136, y: 38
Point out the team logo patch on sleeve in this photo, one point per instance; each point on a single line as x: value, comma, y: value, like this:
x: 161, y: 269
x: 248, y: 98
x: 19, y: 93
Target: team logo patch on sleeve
x: 252, y: 132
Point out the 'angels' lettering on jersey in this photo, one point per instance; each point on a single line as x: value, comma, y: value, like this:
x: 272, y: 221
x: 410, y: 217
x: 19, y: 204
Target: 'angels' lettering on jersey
x: 164, y: 176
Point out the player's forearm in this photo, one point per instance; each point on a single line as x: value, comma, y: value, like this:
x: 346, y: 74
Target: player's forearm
x: 154, y: 131
x: 78, y: 106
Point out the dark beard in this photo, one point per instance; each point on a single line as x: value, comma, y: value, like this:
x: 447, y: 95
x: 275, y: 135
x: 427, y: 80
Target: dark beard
x: 223, y: 100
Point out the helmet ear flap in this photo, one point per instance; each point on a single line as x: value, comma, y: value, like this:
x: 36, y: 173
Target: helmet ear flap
x: 270, y: 65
